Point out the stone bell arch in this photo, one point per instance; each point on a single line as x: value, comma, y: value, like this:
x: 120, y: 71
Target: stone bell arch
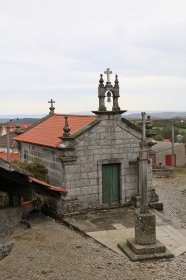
x: 109, y: 91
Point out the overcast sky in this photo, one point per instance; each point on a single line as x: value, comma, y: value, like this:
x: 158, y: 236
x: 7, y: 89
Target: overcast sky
x: 58, y: 48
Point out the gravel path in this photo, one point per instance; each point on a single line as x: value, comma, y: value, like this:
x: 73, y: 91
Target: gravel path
x: 50, y: 250
x: 172, y: 192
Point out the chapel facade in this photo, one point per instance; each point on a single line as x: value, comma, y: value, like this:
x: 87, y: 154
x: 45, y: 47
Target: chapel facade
x: 93, y: 157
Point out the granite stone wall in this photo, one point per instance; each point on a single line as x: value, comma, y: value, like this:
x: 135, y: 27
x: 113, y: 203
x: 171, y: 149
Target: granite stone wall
x: 111, y: 141
x: 79, y: 169
x: 48, y: 156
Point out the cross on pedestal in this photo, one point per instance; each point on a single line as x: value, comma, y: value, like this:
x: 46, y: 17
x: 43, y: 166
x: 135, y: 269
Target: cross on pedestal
x: 52, y: 108
x: 108, y: 72
x: 144, y: 245
x: 144, y: 122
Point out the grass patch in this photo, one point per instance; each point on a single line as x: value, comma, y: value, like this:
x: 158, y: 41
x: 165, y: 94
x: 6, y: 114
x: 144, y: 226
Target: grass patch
x: 180, y: 171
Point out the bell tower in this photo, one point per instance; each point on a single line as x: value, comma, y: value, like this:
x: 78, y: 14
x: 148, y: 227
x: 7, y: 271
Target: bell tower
x: 108, y: 93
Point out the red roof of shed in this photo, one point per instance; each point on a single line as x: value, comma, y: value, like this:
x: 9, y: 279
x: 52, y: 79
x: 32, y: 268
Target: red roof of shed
x: 48, y: 130
x: 48, y: 186
x: 13, y: 156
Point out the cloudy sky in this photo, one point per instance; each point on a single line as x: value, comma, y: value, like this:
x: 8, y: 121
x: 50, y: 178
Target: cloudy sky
x: 57, y: 49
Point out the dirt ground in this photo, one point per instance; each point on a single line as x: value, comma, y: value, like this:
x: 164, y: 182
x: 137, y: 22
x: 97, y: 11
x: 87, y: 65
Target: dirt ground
x: 51, y: 250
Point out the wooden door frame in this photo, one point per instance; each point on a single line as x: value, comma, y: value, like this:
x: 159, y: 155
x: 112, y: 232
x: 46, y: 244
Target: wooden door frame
x: 111, y: 175
x: 99, y: 168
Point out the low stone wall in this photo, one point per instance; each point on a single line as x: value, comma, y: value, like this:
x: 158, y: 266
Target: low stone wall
x: 9, y: 220
x: 60, y: 206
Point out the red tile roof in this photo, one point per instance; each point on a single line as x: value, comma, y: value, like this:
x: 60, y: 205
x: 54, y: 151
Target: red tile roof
x: 21, y: 126
x: 13, y: 156
x: 166, y: 140
x: 48, y: 130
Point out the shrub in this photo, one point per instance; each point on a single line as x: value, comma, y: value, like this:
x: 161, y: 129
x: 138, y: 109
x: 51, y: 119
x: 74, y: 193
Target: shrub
x: 36, y: 168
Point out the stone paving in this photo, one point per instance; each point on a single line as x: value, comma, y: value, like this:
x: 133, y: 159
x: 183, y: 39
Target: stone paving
x: 50, y: 250
x: 117, y: 225
x: 174, y: 241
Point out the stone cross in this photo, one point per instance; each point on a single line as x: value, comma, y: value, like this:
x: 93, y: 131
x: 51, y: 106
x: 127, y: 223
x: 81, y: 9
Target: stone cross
x: 108, y: 72
x: 144, y: 245
x: 143, y: 165
x: 143, y: 122
x: 51, y: 102
x: 52, y: 106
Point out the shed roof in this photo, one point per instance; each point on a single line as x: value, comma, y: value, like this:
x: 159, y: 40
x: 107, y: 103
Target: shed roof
x: 14, y: 176
x: 47, y: 186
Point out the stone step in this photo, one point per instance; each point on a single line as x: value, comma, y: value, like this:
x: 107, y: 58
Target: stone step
x: 175, y: 234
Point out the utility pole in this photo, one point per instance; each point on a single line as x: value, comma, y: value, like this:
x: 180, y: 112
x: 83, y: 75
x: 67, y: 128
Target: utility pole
x: 8, y: 143
x: 172, y: 155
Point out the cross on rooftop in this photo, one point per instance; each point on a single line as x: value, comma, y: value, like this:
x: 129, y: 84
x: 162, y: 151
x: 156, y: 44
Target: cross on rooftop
x: 51, y: 102
x: 52, y: 106
x: 108, y: 72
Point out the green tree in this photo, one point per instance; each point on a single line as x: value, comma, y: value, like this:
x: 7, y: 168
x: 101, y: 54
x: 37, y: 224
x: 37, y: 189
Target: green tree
x: 158, y: 134
x: 167, y: 132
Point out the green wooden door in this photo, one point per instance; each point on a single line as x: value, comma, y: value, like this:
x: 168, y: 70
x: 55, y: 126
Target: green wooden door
x: 111, y: 183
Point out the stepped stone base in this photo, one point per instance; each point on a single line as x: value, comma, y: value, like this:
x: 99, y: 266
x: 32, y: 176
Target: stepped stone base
x: 156, y: 205
x: 137, y: 252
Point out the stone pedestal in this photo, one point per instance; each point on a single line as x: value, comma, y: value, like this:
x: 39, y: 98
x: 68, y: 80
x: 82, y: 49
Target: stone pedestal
x: 145, y: 245
x: 145, y: 228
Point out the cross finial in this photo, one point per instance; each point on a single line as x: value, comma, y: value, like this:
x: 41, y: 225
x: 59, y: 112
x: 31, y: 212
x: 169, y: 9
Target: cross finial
x: 52, y: 108
x: 108, y: 72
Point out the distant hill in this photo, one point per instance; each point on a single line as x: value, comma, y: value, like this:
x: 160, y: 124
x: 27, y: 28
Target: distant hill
x: 128, y: 114
x: 2, y: 121
x: 21, y: 116
x: 18, y: 121
x: 153, y: 114
x: 22, y: 121
x: 160, y: 115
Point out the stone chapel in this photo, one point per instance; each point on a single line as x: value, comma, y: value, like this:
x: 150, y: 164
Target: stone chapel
x: 94, y: 157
